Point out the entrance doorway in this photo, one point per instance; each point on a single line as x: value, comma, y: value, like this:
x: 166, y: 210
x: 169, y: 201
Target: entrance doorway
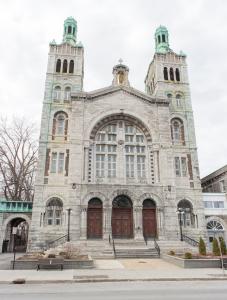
x: 122, y: 218
x: 16, y: 236
x: 149, y: 218
x: 94, y: 219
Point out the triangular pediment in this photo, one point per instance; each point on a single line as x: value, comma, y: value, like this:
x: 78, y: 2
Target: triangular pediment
x: 116, y: 89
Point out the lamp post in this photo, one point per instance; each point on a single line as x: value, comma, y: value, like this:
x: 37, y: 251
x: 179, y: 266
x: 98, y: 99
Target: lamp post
x: 14, y: 232
x: 180, y: 213
x: 68, y: 234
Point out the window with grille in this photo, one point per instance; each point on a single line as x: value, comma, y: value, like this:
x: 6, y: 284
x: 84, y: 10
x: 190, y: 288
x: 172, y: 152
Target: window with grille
x: 120, y: 143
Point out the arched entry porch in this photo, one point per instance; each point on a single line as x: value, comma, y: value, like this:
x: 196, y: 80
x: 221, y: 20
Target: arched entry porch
x: 94, y: 219
x: 122, y: 217
x: 16, y: 235
x: 149, y: 218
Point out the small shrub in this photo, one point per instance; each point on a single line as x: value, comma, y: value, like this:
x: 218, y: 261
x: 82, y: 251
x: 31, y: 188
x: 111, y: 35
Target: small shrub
x: 51, y: 255
x: 222, y: 245
x: 188, y: 255
x: 171, y: 252
x: 63, y: 254
x: 215, y: 247
x: 202, y: 247
x: 71, y: 251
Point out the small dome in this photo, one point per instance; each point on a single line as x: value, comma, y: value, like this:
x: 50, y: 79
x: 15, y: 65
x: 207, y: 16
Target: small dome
x: 79, y: 45
x: 161, y: 28
x: 70, y: 20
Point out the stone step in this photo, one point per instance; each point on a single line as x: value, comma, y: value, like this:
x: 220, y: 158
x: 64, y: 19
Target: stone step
x: 136, y: 253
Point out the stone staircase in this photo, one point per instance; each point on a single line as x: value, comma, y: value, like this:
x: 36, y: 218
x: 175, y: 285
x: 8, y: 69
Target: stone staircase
x: 130, y: 248
x: 179, y: 247
x: 135, y: 249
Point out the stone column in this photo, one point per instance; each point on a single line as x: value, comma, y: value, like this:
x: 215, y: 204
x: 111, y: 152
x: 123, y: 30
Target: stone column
x: 138, y: 223
x: 160, y: 222
x: 83, y: 223
x: 107, y: 211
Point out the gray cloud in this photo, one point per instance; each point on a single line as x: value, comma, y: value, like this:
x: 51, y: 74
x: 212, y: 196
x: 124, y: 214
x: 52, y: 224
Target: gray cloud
x: 113, y: 29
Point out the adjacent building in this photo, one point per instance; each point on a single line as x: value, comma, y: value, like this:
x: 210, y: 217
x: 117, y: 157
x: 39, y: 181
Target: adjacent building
x: 215, y: 203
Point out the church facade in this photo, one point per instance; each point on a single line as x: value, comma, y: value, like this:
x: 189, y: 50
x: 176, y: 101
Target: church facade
x: 117, y: 161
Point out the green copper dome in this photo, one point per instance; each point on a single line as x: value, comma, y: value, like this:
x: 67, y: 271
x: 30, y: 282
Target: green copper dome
x: 162, y: 40
x: 70, y: 31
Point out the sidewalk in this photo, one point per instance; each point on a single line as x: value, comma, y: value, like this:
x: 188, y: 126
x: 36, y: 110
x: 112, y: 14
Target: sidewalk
x: 115, y: 270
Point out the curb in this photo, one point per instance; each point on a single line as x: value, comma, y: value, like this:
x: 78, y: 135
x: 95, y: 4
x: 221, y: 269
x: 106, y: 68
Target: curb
x: 116, y: 280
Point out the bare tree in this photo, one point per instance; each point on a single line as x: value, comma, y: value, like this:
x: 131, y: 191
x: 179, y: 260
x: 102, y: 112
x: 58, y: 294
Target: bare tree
x: 18, y: 157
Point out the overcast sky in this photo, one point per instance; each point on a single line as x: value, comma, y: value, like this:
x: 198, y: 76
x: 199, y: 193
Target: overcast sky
x: 110, y: 30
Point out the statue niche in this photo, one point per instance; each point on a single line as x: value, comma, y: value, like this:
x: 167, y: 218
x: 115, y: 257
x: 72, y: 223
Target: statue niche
x: 120, y: 77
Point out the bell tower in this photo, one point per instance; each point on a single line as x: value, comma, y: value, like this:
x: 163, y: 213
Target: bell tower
x: 161, y: 40
x: 167, y: 78
x: 70, y: 31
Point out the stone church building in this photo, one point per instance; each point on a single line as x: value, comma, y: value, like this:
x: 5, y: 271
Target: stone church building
x: 118, y: 161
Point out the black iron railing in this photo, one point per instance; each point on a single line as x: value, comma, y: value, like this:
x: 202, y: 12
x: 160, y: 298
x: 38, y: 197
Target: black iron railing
x: 111, y: 242
x: 157, y: 247
x: 190, y: 241
x: 58, y: 241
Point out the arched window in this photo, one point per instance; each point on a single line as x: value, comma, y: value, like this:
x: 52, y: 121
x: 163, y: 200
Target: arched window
x: 171, y: 74
x: 71, y: 66
x: 177, y: 131
x: 185, y: 213
x: 57, y: 93
x: 67, y: 94
x: 60, y: 125
x: 165, y: 72
x: 65, y: 66
x: 70, y: 29
x: 120, y: 140
x: 214, y: 225
x: 159, y: 39
x: 74, y: 30
x: 54, y: 211
x: 149, y: 203
x: 122, y: 201
x: 177, y: 74
x: 178, y: 100
x: 58, y: 66
x: 163, y: 38
x: 169, y: 96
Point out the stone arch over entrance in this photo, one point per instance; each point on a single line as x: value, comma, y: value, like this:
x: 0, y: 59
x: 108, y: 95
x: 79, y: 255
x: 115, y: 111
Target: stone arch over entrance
x: 122, y: 217
x: 16, y: 233
x: 154, y: 197
x: 94, y: 219
x: 124, y: 192
x: 149, y: 218
x: 91, y: 195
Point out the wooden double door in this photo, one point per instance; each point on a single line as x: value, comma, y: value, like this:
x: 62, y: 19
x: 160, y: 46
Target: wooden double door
x: 122, y: 223
x: 94, y: 223
x: 149, y: 222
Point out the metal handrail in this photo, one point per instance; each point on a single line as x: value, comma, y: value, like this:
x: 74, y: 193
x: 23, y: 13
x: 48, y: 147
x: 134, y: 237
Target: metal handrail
x: 145, y: 239
x: 190, y: 241
x: 114, y: 250
x: 109, y: 239
x: 56, y: 240
x: 157, y: 247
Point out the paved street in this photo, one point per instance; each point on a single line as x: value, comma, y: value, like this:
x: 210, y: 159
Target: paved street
x: 135, y: 290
